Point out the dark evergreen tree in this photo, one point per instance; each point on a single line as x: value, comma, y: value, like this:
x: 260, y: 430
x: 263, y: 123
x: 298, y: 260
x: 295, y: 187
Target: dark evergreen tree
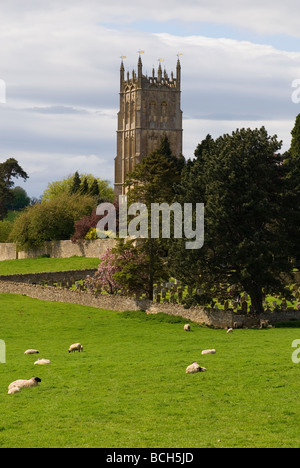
x: 238, y: 177
x: 84, y: 188
x: 94, y: 189
x: 76, y: 183
x: 153, y: 181
x: 291, y: 167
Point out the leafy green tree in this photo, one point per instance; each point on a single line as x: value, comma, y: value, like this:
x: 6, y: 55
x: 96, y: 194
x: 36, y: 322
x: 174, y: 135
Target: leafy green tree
x: 5, y: 229
x: 19, y: 199
x: 53, y: 220
x: 238, y: 177
x: 9, y: 170
x: 153, y: 181
x: 98, y: 188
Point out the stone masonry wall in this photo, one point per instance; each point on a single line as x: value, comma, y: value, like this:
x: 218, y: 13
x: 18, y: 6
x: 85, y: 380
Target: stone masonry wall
x: 59, y: 249
x: 215, y: 318
x: 49, y: 277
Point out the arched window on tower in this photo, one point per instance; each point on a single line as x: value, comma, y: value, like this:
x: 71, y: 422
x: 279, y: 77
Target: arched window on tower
x: 164, y: 111
x: 152, y: 113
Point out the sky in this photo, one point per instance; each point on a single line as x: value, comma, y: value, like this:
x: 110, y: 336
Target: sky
x: 59, y: 75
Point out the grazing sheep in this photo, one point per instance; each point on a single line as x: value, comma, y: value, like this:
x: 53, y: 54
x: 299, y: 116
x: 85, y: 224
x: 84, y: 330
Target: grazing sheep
x: 33, y: 382
x: 76, y: 347
x: 187, y: 327
x: 209, y: 351
x: 42, y: 362
x: 230, y: 330
x: 193, y: 368
x: 31, y: 351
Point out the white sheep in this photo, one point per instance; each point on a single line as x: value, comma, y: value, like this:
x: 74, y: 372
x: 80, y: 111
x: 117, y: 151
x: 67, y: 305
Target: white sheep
x: 31, y: 351
x: 193, y: 368
x: 42, y: 362
x: 230, y: 330
x: 209, y: 351
x: 76, y: 347
x: 16, y: 386
x: 187, y: 327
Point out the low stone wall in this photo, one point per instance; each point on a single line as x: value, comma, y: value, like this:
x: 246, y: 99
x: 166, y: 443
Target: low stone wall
x: 214, y: 318
x: 70, y: 276
x: 59, y: 249
x: 85, y: 298
x: 67, y: 249
x: 8, y: 252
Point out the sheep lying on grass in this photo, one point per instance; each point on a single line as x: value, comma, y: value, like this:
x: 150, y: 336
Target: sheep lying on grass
x: 42, y: 362
x: 209, y: 351
x: 17, y: 385
x: 187, y: 327
x: 76, y: 347
x: 31, y: 351
x: 193, y: 368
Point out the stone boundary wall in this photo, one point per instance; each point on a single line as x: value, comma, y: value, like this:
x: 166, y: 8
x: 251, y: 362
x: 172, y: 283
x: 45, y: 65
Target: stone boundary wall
x: 8, y: 252
x: 49, y: 277
x: 214, y: 318
x: 59, y: 249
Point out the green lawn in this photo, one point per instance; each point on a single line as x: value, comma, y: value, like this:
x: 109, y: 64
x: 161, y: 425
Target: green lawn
x: 129, y: 388
x: 41, y: 265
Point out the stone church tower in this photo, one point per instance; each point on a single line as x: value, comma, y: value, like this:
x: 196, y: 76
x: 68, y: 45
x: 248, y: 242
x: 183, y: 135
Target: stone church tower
x: 149, y: 109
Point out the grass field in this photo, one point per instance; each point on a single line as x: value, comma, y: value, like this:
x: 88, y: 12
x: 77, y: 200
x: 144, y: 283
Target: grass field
x: 129, y: 388
x: 41, y: 265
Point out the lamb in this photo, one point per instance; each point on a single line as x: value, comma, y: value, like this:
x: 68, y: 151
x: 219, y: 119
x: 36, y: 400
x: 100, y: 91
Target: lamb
x: 187, y: 327
x: 31, y: 351
x: 42, y: 362
x: 16, y: 386
x: 209, y: 351
x: 76, y: 347
x: 193, y: 368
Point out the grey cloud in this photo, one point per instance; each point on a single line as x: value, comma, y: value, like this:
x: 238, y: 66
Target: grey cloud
x: 61, y: 67
x: 56, y: 110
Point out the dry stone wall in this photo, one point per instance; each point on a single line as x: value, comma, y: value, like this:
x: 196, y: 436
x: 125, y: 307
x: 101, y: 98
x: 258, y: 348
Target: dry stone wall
x: 70, y: 277
x: 214, y: 318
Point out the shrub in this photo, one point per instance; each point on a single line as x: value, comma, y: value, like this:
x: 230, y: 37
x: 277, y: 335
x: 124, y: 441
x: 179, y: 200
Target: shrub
x: 53, y: 220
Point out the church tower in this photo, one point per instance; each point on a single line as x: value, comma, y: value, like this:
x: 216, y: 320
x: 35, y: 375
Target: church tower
x: 149, y: 110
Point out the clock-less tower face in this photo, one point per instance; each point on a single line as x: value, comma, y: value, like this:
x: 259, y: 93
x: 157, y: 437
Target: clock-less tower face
x: 149, y: 110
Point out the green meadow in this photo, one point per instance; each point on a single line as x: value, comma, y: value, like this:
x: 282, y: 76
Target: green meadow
x: 129, y: 389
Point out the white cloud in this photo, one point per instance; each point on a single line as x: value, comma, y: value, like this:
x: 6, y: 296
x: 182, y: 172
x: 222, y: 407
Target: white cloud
x: 60, y: 62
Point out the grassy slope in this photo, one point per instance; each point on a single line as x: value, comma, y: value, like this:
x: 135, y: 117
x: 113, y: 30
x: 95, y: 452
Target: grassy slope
x: 129, y: 388
x: 39, y: 265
